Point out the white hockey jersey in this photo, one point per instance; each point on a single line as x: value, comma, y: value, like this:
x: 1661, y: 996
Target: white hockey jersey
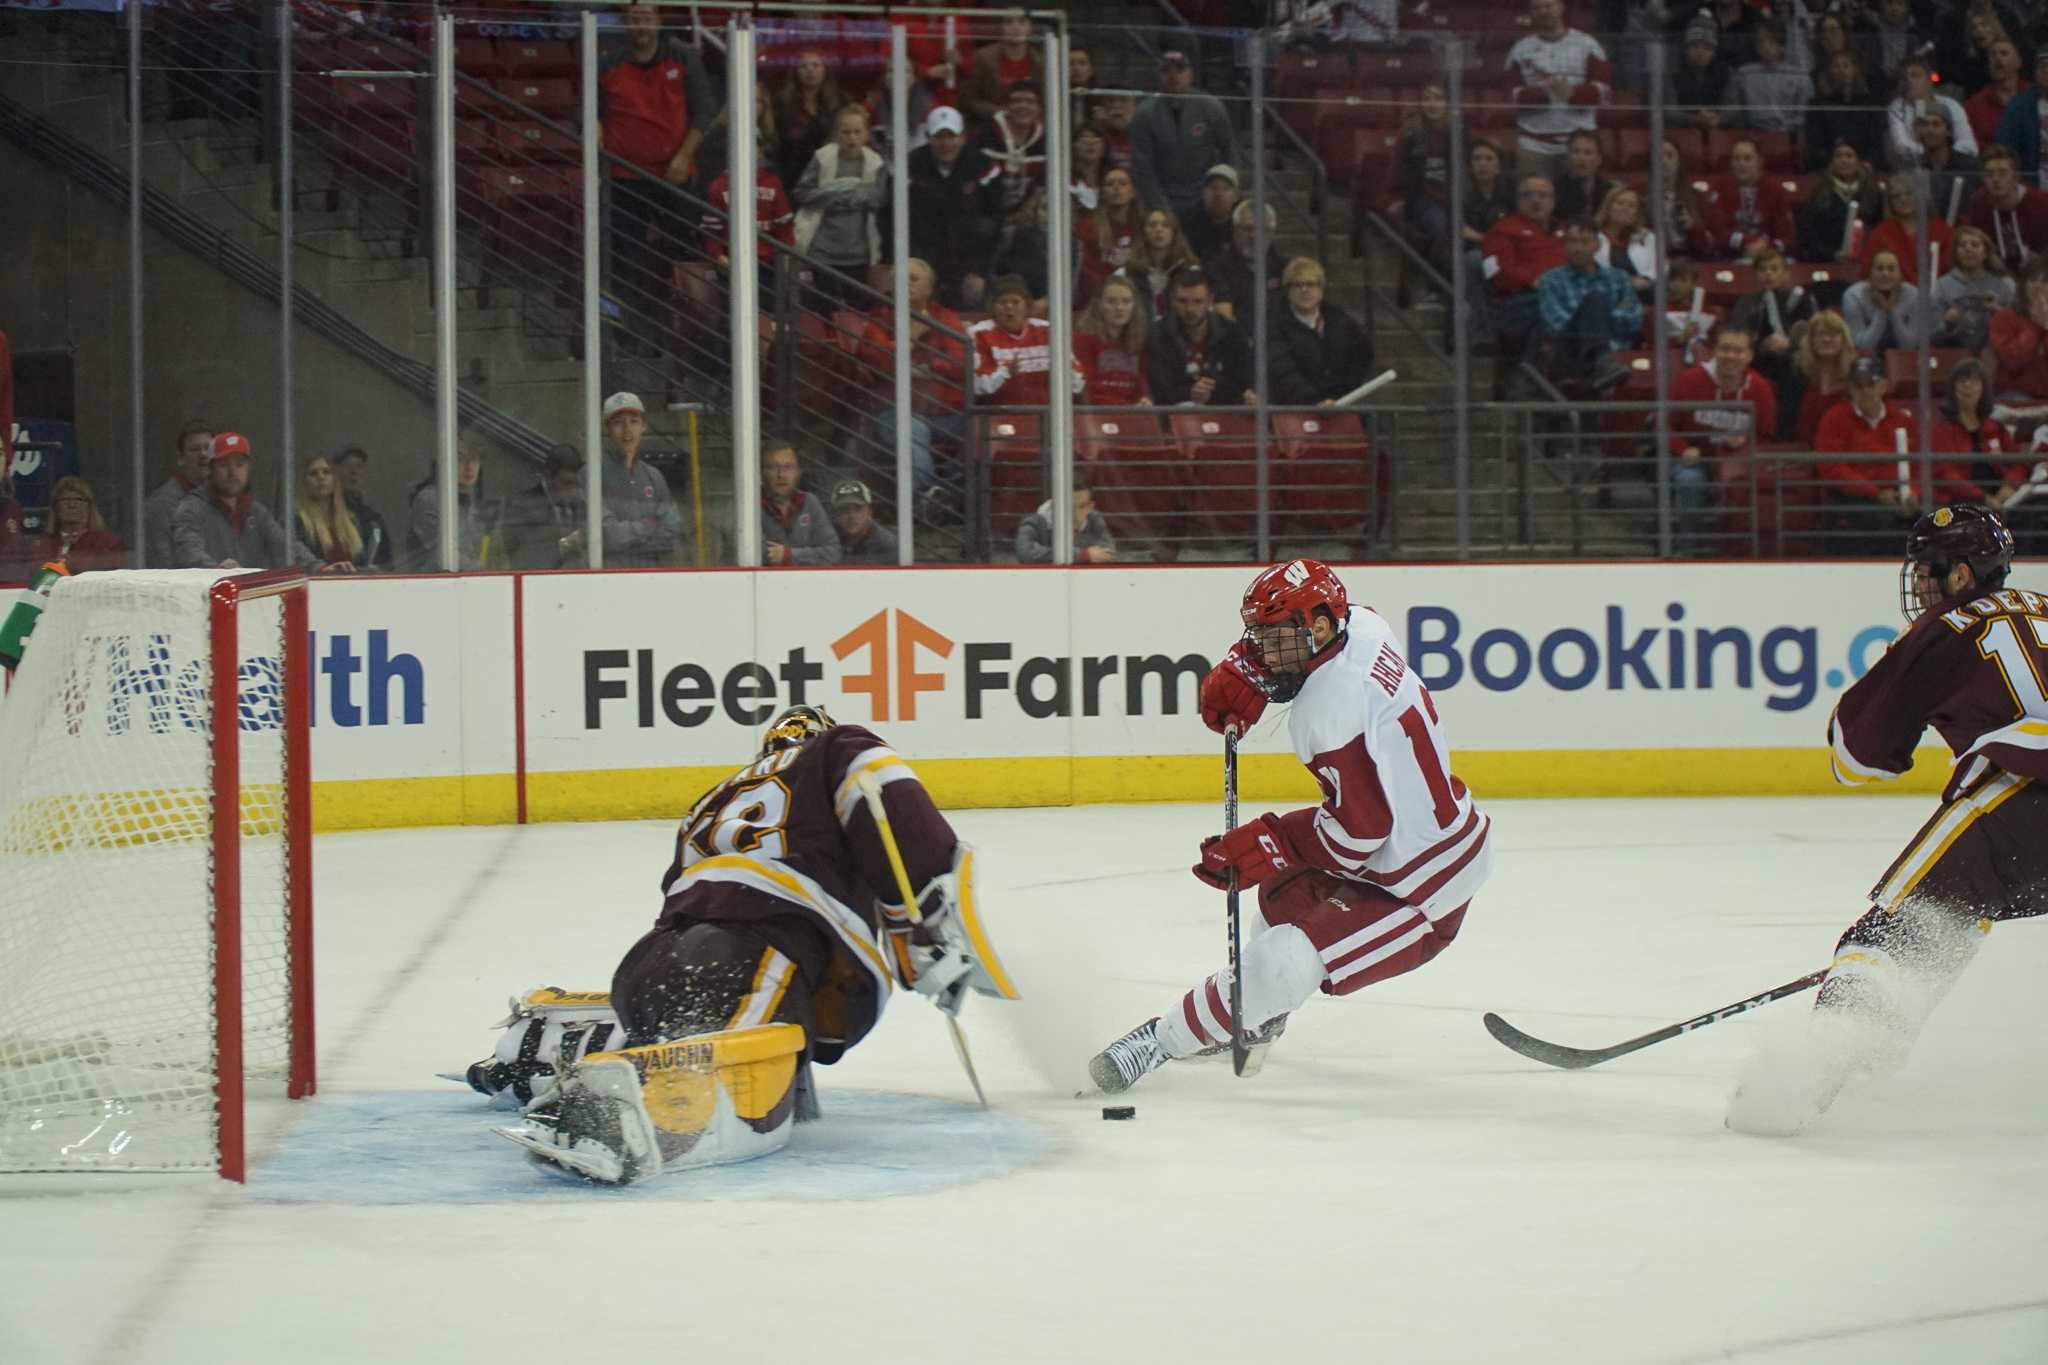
x: 1392, y: 814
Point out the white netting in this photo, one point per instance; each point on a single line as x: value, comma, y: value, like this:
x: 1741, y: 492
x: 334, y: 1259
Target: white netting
x: 106, y: 874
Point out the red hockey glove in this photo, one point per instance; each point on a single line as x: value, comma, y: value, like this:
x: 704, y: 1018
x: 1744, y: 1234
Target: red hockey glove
x: 1256, y: 852
x: 1229, y: 694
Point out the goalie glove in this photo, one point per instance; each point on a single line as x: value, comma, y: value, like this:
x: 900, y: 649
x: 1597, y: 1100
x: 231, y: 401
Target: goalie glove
x: 946, y: 952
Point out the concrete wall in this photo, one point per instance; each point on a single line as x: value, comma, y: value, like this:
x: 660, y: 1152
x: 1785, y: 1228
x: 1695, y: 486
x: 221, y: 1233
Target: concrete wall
x: 212, y: 351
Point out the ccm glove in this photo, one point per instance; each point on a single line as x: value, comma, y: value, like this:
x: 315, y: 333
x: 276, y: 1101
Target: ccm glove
x: 1230, y: 694
x: 1256, y: 852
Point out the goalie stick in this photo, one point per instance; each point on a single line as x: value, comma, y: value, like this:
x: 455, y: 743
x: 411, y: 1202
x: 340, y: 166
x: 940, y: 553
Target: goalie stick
x: 1578, y: 1059
x: 871, y: 792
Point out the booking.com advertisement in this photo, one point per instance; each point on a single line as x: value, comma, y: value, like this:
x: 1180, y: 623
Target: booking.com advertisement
x: 657, y: 670
x: 1024, y: 686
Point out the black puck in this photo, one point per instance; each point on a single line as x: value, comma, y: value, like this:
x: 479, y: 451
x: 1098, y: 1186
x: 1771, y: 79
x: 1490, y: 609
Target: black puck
x: 1119, y: 1111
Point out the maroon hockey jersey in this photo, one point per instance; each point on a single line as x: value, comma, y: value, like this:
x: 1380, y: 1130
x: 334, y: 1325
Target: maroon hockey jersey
x: 789, y: 836
x: 1973, y: 668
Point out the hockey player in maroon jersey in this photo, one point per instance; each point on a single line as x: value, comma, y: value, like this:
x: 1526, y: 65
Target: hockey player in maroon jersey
x: 1373, y: 882
x: 1972, y: 665
x: 779, y: 939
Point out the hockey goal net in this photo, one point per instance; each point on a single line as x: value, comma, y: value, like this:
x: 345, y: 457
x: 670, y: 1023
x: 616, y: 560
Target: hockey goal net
x: 155, y: 871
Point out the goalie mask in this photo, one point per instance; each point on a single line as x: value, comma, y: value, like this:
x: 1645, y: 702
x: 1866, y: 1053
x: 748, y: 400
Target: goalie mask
x: 795, y: 727
x: 1278, y: 607
x: 1966, y: 533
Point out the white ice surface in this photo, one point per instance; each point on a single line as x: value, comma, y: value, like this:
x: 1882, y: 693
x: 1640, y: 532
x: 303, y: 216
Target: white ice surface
x: 1395, y: 1186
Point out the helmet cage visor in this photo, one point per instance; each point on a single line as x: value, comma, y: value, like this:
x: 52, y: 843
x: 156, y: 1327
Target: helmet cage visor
x: 1281, y: 651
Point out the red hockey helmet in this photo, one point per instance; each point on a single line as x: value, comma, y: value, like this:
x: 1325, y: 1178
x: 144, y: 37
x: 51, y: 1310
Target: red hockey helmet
x: 1290, y: 592
x: 1278, y: 607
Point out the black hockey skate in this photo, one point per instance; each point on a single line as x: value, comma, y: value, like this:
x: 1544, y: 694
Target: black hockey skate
x: 1128, y: 1060
x: 1256, y: 1042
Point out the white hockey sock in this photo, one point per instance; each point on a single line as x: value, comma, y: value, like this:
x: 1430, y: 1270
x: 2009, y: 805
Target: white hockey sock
x: 1281, y: 971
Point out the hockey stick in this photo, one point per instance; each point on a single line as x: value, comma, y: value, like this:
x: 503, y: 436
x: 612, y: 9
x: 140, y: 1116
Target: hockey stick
x: 1239, y: 1052
x: 1578, y: 1059
x: 871, y: 792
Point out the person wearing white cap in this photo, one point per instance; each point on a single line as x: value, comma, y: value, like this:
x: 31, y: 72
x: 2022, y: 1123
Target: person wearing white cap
x: 955, y: 208
x: 642, y: 528
x: 1176, y: 136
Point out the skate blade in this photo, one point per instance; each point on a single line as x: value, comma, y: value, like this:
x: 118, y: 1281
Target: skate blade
x: 455, y: 1076
x: 596, y: 1164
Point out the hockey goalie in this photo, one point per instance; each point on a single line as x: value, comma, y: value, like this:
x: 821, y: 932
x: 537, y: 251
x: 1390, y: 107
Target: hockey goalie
x: 780, y: 937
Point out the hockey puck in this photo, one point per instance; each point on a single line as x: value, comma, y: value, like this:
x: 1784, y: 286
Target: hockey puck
x: 1119, y: 1111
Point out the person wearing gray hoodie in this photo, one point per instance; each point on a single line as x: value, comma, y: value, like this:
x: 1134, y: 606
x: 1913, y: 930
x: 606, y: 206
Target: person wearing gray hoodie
x: 1092, y: 541
x: 795, y: 528
x: 1176, y: 136
x: 220, y: 525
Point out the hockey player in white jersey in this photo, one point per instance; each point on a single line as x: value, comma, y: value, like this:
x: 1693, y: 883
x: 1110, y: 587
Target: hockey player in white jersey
x: 1369, y: 884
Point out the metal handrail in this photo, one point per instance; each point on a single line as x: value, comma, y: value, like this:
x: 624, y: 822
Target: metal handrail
x: 56, y: 149
x: 1376, y: 296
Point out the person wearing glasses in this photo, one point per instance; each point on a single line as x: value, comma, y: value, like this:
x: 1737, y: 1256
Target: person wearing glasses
x: 1319, y: 353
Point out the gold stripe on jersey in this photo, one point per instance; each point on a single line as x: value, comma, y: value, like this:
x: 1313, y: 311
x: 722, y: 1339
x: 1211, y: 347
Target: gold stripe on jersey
x: 1849, y: 770
x: 1956, y: 818
x: 764, y: 995
x: 793, y: 886
x: 884, y: 763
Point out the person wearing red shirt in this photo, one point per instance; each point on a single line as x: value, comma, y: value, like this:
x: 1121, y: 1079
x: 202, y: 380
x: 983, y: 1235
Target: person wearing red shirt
x: 1868, y: 433
x: 1516, y: 252
x: 653, y: 102
x: 2011, y: 213
x: 1746, y: 210
x: 1012, y: 59
x: 2019, y: 338
x: 77, y: 535
x: 1698, y: 433
x: 1013, y: 350
x: 1895, y: 234
x: 1109, y: 346
x: 1985, y: 108
x: 937, y: 47
x: 774, y: 215
x: 938, y: 375
x: 1984, y: 450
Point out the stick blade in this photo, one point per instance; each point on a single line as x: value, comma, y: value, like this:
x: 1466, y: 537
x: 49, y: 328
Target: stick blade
x: 1536, y: 1050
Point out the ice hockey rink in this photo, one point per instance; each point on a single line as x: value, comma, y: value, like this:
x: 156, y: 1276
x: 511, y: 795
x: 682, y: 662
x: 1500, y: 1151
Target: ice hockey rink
x: 1395, y: 1186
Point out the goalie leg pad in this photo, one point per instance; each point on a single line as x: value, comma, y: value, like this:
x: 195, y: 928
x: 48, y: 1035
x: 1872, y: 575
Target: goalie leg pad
x: 541, y: 1041
x: 708, y: 1100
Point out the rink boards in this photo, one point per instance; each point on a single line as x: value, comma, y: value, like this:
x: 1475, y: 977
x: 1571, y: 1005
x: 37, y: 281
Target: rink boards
x: 567, y: 696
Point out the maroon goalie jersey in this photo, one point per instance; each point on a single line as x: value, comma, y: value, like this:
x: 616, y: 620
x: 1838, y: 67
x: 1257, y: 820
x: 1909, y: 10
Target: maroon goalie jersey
x: 1976, y: 669
x: 790, y: 836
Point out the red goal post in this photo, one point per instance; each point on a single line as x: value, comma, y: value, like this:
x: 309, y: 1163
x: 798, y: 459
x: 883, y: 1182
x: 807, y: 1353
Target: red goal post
x: 156, y: 870
x: 224, y: 612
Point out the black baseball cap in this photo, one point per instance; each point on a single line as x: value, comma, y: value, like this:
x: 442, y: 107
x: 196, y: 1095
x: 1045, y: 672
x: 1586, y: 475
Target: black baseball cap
x: 1866, y: 370
x: 850, y: 493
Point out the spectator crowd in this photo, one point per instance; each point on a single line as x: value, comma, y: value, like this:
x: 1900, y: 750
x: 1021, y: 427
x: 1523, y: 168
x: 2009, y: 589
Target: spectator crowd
x: 1841, y: 185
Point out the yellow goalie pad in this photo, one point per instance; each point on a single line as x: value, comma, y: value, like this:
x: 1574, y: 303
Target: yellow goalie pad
x: 680, y: 1082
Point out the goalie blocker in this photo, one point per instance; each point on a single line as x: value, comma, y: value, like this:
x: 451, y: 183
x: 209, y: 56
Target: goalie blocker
x: 777, y: 946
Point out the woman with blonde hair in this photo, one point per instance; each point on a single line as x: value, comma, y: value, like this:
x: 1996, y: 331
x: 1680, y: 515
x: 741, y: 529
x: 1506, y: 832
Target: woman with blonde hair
x: 1825, y: 354
x: 1109, y: 345
x: 1626, y: 242
x: 1160, y: 250
x: 325, y: 525
x: 78, y: 535
x: 1319, y: 351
